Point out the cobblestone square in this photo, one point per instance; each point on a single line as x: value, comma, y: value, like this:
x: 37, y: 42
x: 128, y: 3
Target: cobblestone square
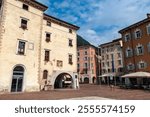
x: 86, y: 92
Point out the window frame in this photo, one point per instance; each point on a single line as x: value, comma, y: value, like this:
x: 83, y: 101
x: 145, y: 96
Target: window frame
x: 70, y: 42
x: 119, y: 62
x: 48, y: 23
x: 70, y: 59
x: 24, y: 24
x: 70, y: 30
x: 24, y: 49
x: 46, y: 55
x: 142, y: 65
x: 136, y: 34
x: 140, y: 50
x: 47, y: 38
x: 45, y: 74
x: 129, y: 54
x: 25, y: 7
x: 129, y: 37
x: 148, y: 26
x: 130, y: 66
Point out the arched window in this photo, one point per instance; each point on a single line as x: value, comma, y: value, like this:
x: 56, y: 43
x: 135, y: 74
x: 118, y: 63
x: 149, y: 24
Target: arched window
x: 45, y: 74
x: 17, y: 79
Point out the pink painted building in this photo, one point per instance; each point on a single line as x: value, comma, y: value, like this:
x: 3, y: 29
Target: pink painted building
x: 86, y: 61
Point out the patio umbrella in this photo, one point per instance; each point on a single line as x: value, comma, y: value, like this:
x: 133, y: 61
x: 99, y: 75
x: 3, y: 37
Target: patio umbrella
x: 137, y: 75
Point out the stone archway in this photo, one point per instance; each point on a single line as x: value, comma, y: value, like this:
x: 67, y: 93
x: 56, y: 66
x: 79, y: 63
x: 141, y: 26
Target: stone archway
x: 86, y: 80
x: 63, y: 80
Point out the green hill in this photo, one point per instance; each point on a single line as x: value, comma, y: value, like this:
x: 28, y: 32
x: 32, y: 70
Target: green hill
x: 81, y: 41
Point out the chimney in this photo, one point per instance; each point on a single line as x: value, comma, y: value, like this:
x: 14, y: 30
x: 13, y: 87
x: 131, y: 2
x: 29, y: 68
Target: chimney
x: 148, y: 15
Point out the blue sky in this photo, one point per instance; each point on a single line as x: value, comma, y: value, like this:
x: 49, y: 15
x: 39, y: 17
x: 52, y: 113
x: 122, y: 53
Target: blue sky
x: 99, y: 20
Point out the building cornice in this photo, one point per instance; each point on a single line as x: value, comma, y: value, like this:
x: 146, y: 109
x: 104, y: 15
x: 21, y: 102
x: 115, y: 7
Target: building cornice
x: 135, y: 25
x: 60, y: 22
x: 35, y: 4
x: 113, y: 42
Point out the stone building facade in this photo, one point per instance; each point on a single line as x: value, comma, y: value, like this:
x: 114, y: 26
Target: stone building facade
x: 111, y: 60
x: 86, y: 62
x: 37, y: 51
x: 136, y: 46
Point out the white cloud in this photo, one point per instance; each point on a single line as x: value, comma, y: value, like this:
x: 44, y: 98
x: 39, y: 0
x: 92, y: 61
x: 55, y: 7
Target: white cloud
x: 100, y: 20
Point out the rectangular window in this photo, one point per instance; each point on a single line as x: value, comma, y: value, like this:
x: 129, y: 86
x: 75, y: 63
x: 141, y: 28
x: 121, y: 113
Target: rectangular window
x: 127, y: 37
x: 107, y: 64
x: 48, y: 23
x: 85, y: 65
x: 138, y: 34
x: 78, y: 53
x: 78, y: 65
x: 140, y: 50
x: 70, y: 59
x: 70, y: 31
x: 45, y: 74
x: 59, y: 63
x: 119, y: 62
x: 24, y: 23
x: 47, y: 55
x: 148, y: 29
x: 129, y: 53
x: 78, y: 59
x: 85, y: 53
x: 130, y: 67
x: 48, y: 37
x: 25, y: 7
x: 70, y: 43
x: 141, y: 65
x: 85, y: 71
x: 85, y: 58
x: 21, y: 48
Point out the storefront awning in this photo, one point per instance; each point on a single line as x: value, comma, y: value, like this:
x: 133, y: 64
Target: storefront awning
x: 137, y: 75
x: 108, y: 74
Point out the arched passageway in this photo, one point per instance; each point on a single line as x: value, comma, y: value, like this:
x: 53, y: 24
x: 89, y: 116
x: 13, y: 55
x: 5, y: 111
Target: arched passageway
x: 86, y: 80
x: 63, y: 80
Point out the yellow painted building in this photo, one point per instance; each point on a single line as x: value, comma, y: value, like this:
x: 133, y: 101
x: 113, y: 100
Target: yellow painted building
x: 37, y: 51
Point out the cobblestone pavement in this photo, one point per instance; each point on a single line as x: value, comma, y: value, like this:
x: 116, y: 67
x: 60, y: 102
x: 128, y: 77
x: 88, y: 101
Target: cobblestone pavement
x: 86, y: 91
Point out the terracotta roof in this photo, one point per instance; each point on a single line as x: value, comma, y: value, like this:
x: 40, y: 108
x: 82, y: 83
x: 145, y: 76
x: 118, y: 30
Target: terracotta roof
x: 60, y: 22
